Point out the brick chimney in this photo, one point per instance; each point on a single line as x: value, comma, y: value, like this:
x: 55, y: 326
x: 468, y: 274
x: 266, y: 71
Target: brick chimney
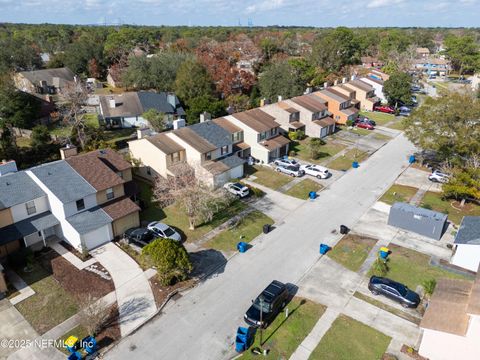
x: 68, y: 151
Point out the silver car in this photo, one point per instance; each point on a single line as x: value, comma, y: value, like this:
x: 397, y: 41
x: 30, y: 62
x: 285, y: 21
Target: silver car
x: 164, y: 231
x: 286, y: 162
x: 438, y: 177
x: 290, y: 170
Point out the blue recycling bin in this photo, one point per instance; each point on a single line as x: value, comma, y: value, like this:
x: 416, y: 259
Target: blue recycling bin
x: 324, y: 248
x: 355, y: 164
x: 312, y: 195
x: 242, y: 246
x: 75, y: 356
x: 240, y: 344
x: 242, y: 333
x: 89, y: 344
x: 411, y: 159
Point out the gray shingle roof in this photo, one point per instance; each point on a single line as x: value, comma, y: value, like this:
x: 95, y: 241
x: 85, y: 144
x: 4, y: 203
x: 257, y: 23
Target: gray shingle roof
x: 17, y: 188
x: 89, y: 220
x: 26, y: 227
x: 63, y: 181
x: 469, y: 231
x: 48, y: 75
x: 213, y: 133
x: 233, y: 161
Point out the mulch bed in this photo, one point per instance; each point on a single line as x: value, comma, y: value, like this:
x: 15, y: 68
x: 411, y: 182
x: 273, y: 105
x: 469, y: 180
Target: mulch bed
x: 111, y: 330
x: 160, y: 292
x: 80, y: 282
x: 409, y: 351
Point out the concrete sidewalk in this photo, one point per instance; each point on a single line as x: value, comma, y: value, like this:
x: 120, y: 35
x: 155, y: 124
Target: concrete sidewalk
x: 134, y: 296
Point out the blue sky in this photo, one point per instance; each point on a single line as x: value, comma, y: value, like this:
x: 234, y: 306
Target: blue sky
x: 449, y: 13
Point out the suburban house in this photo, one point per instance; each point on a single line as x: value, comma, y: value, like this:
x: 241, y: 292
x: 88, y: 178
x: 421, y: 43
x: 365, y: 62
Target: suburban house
x: 314, y: 114
x: 262, y: 133
x: 81, y: 200
x: 288, y: 116
x: 370, y: 61
x: 451, y: 323
x: 207, y: 147
x: 125, y: 110
x: 467, y: 244
x: 377, y: 85
x: 46, y: 81
x: 339, y: 105
x: 432, y: 66
x: 364, y: 93
x: 240, y: 148
x: 422, y: 52
x: 377, y: 74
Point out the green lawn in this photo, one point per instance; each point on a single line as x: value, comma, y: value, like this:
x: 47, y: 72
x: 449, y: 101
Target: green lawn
x: 398, y: 193
x: 452, y: 208
x: 379, y: 117
x: 397, y: 125
x: 111, y: 136
x: 302, y: 189
x: 246, y: 230
x: 412, y: 268
x: 344, y: 162
x: 174, y: 216
x: 349, y: 339
x: 268, y: 177
x: 79, y: 332
x: 382, y: 137
x: 51, y: 304
x: 23, y: 142
x: 359, y: 131
x: 284, y: 335
x: 352, y: 250
x: 64, y: 130
x: 329, y: 149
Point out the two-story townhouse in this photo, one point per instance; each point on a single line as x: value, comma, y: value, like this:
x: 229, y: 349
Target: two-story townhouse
x: 314, y: 114
x: 286, y: 115
x: 339, y: 105
x: 377, y: 85
x: 348, y: 92
x: 240, y: 148
x: 262, y: 134
x: 365, y: 93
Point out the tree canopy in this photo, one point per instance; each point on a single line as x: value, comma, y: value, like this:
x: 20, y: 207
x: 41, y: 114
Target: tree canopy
x: 398, y: 88
x: 281, y: 79
x: 463, y: 52
x: 192, y: 81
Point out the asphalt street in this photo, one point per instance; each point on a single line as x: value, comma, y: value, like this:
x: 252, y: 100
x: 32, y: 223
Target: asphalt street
x: 202, y: 324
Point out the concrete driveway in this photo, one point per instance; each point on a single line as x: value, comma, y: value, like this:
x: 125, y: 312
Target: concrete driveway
x: 134, y: 296
x: 202, y: 324
x: 419, y: 179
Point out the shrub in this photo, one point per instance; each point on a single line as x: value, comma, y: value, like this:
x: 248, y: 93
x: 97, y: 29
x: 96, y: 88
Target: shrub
x: 429, y: 286
x: 300, y: 134
x: 292, y: 153
x: 380, y: 267
x: 292, y: 135
x: 315, y: 148
x: 350, y: 122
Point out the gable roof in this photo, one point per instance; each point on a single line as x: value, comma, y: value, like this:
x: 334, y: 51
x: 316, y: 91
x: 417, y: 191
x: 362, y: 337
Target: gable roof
x: 227, y: 125
x: 63, y: 181
x: 100, y: 168
x: 89, y: 220
x: 48, y: 75
x: 469, y: 231
x: 309, y: 102
x: 359, y: 84
x: 284, y: 106
x: 163, y: 142
x: 194, y: 140
x: 213, y: 133
x: 162, y: 101
x: 18, y: 188
x: 257, y: 120
x: 332, y: 94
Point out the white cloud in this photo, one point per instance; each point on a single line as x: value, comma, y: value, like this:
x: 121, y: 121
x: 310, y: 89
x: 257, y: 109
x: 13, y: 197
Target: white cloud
x: 265, y: 5
x: 383, y: 3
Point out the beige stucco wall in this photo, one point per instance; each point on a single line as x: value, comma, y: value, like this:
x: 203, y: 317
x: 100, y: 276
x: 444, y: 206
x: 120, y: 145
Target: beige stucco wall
x: 127, y: 175
x: 437, y: 345
x: 281, y: 116
x: 149, y: 155
x: 118, y: 191
x: 130, y: 221
x: 5, y: 218
x: 361, y: 95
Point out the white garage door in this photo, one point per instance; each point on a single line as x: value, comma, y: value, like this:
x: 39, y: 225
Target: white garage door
x: 98, y: 237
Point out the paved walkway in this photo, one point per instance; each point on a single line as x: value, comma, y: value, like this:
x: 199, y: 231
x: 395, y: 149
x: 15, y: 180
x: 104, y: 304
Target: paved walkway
x: 22, y: 287
x: 71, y: 258
x: 135, y: 299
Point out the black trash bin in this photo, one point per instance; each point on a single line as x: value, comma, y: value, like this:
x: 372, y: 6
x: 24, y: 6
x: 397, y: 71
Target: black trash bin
x: 343, y: 229
x: 266, y: 228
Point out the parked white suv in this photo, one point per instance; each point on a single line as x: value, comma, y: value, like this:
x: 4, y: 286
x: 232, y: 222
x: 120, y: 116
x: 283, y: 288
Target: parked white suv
x: 439, y: 177
x: 318, y: 171
x: 286, y: 162
x: 237, y: 189
x: 290, y: 170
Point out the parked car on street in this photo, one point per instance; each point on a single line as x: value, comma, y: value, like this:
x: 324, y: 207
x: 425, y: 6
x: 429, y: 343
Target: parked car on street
x: 364, y: 125
x: 164, y: 231
x: 138, y: 236
x: 438, y: 177
x: 394, y: 290
x: 384, y: 109
x: 237, y: 189
x: 318, y: 171
x: 290, y: 170
x: 361, y: 118
x: 286, y: 162
x: 270, y: 302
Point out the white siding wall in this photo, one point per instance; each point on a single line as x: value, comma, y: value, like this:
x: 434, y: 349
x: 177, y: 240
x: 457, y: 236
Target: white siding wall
x: 437, y: 345
x: 98, y: 237
x: 467, y: 256
x: 19, y: 212
x: 378, y: 89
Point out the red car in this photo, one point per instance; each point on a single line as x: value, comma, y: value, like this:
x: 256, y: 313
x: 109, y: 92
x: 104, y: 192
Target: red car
x: 385, y: 109
x: 365, y: 125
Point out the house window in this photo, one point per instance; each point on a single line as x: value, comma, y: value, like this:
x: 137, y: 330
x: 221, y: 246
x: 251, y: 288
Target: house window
x: 31, y: 209
x: 208, y: 156
x: 175, y: 157
x: 238, y: 136
x: 80, y: 204
x: 110, y: 194
x: 273, y: 131
x: 262, y: 136
x: 224, y: 150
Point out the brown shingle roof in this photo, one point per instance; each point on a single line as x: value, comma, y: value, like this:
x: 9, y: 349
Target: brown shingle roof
x: 240, y: 146
x: 100, y: 167
x: 165, y: 143
x: 194, y: 140
x: 296, y: 124
x: 227, y: 125
x: 119, y: 208
x: 359, y: 84
x: 349, y: 111
x: 127, y: 104
x: 310, y: 103
x: 325, y: 121
x: 275, y: 142
x: 335, y: 95
x: 284, y: 106
x: 446, y: 310
x: 256, y: 119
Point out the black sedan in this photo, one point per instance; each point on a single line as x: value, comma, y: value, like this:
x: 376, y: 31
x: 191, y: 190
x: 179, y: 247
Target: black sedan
x: 139, y: 236
x: 394, y: 290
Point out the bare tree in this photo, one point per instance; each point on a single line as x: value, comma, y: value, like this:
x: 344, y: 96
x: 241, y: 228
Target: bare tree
x: 94, y: 314
x: 74, y: 97
x: 198, y: 200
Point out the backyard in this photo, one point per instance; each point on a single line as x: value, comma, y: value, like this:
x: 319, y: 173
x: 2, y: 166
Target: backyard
x: 352, y: 250
x: 398, y: 193
x: 452, y: 208
x: 303, y: 188
x: 328, y: 150
x: 248, y: 228
x: 284, y: 335
x: 267, y: 177
x: 347, y: 336
x: 412, y: 268
x: 344, y: 162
